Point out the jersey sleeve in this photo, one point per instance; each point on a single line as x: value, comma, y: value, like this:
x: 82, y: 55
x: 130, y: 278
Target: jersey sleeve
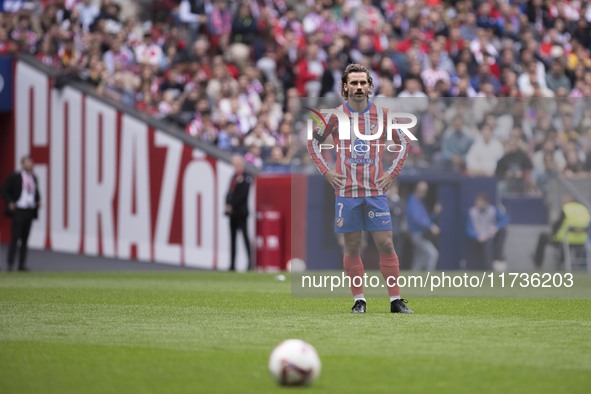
x: 402, y: 140
x: 318, y: 137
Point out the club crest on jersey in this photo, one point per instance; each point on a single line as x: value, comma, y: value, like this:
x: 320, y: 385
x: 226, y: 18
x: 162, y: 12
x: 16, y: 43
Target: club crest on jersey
x: 361, y: 147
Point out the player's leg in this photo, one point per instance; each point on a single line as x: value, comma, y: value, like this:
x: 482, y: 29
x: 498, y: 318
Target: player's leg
x: 389, y: 265
x: 349, y: 222
x: 354, y: 269
x: 378, y: 221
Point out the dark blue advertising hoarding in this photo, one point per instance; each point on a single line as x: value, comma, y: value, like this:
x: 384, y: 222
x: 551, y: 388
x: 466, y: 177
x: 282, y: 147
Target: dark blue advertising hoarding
x: 6, y: 85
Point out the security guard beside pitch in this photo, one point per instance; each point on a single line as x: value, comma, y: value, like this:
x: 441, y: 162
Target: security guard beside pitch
x: 573, y: 215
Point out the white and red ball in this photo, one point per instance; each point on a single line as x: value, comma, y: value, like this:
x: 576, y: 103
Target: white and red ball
x: 294, y: 363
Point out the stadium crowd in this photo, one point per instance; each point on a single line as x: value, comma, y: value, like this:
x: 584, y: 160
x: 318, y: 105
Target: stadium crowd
x: 500, y: 87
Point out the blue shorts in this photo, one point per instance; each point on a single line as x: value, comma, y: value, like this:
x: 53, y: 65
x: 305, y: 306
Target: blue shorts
x: 362, y: 213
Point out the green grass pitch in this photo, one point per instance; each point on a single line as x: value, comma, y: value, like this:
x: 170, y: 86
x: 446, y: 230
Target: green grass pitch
x: 207, y: 332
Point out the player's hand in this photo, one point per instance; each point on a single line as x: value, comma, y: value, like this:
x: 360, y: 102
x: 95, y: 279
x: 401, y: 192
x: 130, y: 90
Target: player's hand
x: 336, y: 181
x: 384, y: 182
x: 228, y: 209
x: 11, y: 206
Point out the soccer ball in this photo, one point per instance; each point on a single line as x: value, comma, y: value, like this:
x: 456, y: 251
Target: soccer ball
x: 296, y: 265
x: 294, y: 363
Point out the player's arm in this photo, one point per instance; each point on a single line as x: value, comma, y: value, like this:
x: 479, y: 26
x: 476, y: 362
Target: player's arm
x: 315, y: 144
x: 403, y: 144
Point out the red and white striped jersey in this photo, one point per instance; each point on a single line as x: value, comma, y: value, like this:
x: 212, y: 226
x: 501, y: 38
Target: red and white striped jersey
x: 361, y: 165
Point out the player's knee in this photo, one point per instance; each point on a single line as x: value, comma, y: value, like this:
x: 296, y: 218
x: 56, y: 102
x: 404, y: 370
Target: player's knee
x: 353, y: 249
x: 385, y: 246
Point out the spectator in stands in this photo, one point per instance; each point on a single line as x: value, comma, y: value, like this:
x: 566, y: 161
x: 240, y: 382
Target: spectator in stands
x: 414, y: 100
x: 293, y: 44
x: 276, y: 163
x: 148, y: 52
x: 223, y: 137
x: 431, y: 129
x: 422, y: 229
x: 191, y: 13
x: 541, y: 163
x: 259, y: 137
x: 575, y: 164
x: 486, y: 230
x: 573, y: 215
x: 485, y: 103
x: 47, y: 53
x: 484, y: 75
x: 484, y: 154
x: 88, y: 12
x: 253, y: 156
x: 172, y: 84
x: 118, y: 54
x: 219, y: 25
x: 455, y: 145
x: 433, y: 73
x: 244, y: 26
x: 116, y: 87
x: 209, y: 130
x: 309, y: 72
x: 514, y: 169
x: 233, y: 138
x: 557, y: 78
x: 331, y: 78
x: 543, y: 175
x: 24, y: 35
x: 7, y: 45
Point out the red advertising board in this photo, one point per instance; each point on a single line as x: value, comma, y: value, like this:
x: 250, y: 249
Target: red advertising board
x: 112, y: 185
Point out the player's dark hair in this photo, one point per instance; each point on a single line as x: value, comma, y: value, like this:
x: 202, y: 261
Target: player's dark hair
x: 355, y: 68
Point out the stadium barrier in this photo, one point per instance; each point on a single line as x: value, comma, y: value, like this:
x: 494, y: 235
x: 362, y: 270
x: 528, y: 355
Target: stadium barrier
x: 269, y: 240
x: 115, y: 182
x: 6, y: 88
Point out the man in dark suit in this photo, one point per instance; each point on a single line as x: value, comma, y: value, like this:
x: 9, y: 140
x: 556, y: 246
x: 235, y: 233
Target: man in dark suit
x: 21, y: 193
x: 237, y: 208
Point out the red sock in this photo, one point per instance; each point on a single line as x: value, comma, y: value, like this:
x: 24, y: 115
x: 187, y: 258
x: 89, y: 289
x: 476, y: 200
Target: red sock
x: 389, y: 267
x: 354, y: 269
